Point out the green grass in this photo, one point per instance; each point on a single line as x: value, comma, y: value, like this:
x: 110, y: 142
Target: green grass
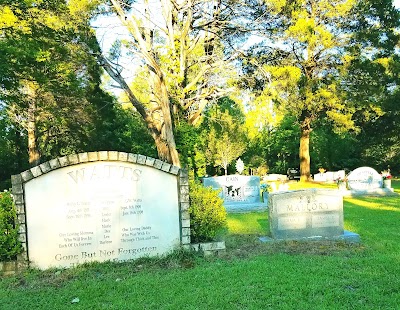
x: 251, y: 275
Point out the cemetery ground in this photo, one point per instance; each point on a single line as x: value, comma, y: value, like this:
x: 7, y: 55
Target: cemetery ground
x: 250, y: 275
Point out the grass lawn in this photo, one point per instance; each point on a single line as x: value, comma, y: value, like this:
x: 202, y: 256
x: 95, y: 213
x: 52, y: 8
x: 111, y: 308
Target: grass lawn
x: 251, y: 275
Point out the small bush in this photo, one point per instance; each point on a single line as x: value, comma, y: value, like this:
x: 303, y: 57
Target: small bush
x: 9, y: 244
x: 207, y: 214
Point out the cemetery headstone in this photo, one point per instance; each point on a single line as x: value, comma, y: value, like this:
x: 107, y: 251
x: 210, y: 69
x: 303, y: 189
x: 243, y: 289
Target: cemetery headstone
x: 305, y: 214
x: 102, y: 206
x: 239, y: 166
x: 364, y: 178
x: 236, y: 190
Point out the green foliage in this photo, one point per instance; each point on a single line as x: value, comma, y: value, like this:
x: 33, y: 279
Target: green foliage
x: 223, y: 135
x: 372, y: 81
x: 275, y: 149
x: 300, y: 75
x: 48, y: 50
x: 115, y: 128
x: 187, y: 138
x: 207, y: 213
x: 13, y: 157
x: 9, y: 244
x: 334, y: 151
x: 46, y: 56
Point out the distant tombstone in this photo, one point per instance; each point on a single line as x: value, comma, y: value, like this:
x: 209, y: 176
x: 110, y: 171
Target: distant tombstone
x: 283, y: 187
x: 275, y: 177
x: 236, y: 189
x: 310, y: 213
x: 329, y: 176
x: 239, y: 166
x: 320, y: 177
x: 341, y: 174
x: 364, y: 178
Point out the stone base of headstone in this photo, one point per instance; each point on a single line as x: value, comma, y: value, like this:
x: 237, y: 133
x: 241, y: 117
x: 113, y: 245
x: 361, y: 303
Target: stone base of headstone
x: 347, y: 236
x: 387, y: 183
x: 208, y: 248
x: 246, y: 207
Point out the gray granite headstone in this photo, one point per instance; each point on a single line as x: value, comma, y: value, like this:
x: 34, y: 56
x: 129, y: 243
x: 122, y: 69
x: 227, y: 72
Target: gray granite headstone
x: 302, y: 214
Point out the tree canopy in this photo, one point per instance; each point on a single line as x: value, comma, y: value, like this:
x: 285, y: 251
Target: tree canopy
x: 280, y: 83
x: 303, y: 67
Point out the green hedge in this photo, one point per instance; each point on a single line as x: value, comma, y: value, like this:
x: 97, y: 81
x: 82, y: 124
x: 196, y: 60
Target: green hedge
x: 9, y: 244
x: 207, y: 214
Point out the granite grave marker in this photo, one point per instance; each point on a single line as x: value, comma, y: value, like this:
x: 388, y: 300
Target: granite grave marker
x: 302, y: 214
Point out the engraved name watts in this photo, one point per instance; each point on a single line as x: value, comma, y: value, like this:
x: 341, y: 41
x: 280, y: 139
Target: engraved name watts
x: 105, y: 172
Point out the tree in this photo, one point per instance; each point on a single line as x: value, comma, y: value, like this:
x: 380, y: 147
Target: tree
x: 46, y: 73
x: 372, y: 80
x: 301, y: 69
x: 13, y: 155
x: 223, y: 134
x: 176, y: 44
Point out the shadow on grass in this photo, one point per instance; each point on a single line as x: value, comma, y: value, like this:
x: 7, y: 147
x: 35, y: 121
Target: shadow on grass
x: 245, y: 229
x: 245, y: 246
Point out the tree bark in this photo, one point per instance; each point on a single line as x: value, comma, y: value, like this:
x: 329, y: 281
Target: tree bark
x: 304, y: 151
x: 166, y: 147
x: 162, y: 134
x: 161, y: 127
x: 34, y: 156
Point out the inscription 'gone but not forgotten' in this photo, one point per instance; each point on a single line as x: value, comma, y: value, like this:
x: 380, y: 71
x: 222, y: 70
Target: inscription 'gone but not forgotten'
x: 100, y: 211
x: 305, y: 214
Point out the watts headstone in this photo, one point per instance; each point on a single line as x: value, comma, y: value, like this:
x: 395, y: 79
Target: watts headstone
x: 306, y: 214
x: 101, y: 206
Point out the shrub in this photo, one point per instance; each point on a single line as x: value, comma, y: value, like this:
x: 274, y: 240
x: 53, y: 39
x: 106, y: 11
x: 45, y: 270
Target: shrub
x: 9, y: 243
x: 207, y: 214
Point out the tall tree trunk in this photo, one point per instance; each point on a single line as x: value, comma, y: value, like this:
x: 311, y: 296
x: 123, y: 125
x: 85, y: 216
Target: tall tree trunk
x: 34, y: 156
x: 163, y: 134
x: 165, y: 143
x: 161, y: 129
x: 304, y: 152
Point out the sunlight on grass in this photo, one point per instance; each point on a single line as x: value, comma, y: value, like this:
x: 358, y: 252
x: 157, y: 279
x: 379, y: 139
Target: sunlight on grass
x: 376, y: 205
x: 349, y: 227
x: 305, y: 185
x: 396, y: 185
x: 248, y: 223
